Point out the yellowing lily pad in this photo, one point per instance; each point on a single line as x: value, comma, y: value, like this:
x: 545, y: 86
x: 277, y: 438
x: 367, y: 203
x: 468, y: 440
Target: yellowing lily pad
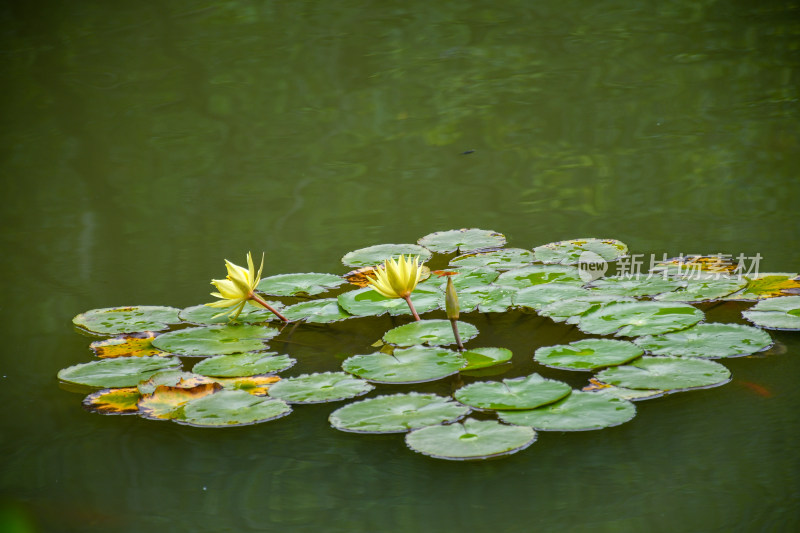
x: 470, y: 440
x: 478, y: 358
x: 130, y: 345
x: 776, y: 313
x: 257, y: 385
x: 539, y: 296
x: 228, y: 408
x: 430, y: 332
x: 520, y: 278
x: 323, y: 311
x: 640, y: 318
x: 462, y: 240
x: 162, y: 402
x: 319, y: 388
x: 251, y: 314
x: 580, y: 411
x: 505, y: 259
x: 768, y: 285
x: 122, y: 401
x: 667, y: 374
x: 215, y: 340
x: 243, y: 364
x: 410, y: 365
x: 695, y: 266
x: 118, y: 372
x: 708, y: 341
x: 116, y: 320
x: 368, y: 302
x: 307, y: 284
x: 588, y: 354
x: 569, y: 252
x: 377, y: 254
x: 526, y: 392
x: 171, y: 378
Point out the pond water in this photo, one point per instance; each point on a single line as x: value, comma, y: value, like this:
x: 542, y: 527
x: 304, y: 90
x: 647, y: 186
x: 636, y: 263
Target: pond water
x: 143, y: 142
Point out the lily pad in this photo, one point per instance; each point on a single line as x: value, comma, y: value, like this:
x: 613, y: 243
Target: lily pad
x: 130, y: 345
x: 122, y: 401
x: 470, y: 440
x: 485, y: 357
x: 569, y: 252
x: 666, y: 373
x: 377, y: 254
x: 322, y: 311
x: 251, y: 314
x: 243, y: 364
x: 368, y: 302
x: 396, y: 413
x: 467, y: 278
x: 431, y: 332
x: 580, y: 411
x: 162, y: 403
x: 571, y: 309
x: 703, y: 290
x: 527, y: 392
x: 708, y: 341
x: 640, y: 318
x: 539, y: 296
x: 171, y: 378
x: 776, y: 313
x: 695, y: 266
x: 636, y: 285
x: 410, y: 365
x: 633, y: 395
x: 118, y: 372
x: 116, y: 320
x: 319, y: 388
x: 768, y: 285
x: 257, y: 385
x: 588, y: 354
x: 215, y: 340
x: 462, y: 240
x: 299, y: 284
x: 505, y: 259
x: 529, y: 276
x: 487, y: 299
x: 231, y: 408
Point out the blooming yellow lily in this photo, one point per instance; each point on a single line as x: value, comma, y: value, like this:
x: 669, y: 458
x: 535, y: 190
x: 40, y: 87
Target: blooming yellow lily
x: 238, y: 288
x: 397, y: 279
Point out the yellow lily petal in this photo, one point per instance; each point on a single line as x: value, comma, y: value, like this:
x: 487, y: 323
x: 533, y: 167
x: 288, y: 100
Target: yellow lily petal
x: 228, y: 289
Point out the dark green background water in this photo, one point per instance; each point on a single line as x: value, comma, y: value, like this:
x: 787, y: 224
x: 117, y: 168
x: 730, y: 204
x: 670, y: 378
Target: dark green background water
x: 145, y: 141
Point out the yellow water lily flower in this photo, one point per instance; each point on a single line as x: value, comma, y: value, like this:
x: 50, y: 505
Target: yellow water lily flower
x: 238, y: 288
x: 397, y: 279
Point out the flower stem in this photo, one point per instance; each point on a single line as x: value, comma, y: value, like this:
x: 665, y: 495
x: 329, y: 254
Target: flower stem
x: 274, y: 311
x: 411, y: 306
x: 458, y: 337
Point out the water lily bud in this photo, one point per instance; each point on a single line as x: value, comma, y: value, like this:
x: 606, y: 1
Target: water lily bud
x: 451, y: 300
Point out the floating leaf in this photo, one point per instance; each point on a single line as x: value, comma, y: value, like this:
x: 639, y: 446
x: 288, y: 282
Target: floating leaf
x: 539, y: 296
x: 573, y: 308
x: 231, y: 408
x: 519, y: 393
x: 377, y: 254
x: 243, y: 364
x: 569, y: 252
x: 469, y: 440
x: 488, y: 299
x: 204, y: 315
x: 410, y: 365
x: 485, y: 357
x: 215, y: 340
x: 462, y: 240
x: 319, y: 388
x: 431, y: 332
x: 708, y: 341
x: 633, y: 395
x: 162, y: 402
x: 467, y: 278
x: 299, y: 284
x: 397, y: 413
x: 322, y: 311
x: 640, y: 318
x: 121, y: 401
x: 769, y: 285
x: 368, y: 302
x: 118, y: 372
x: 776, y: 313
x: 588, y: 354
x: 529, y: 276
x: 702, y: 290
x: 666, y: 373
x: 499, y: 259
x: 695, y: 266
x: 577, y: 412
x: 257, y: 385
x: 131, y: 345
x: 636, y: 285
x: 116, y: 320
x: 171, y: 378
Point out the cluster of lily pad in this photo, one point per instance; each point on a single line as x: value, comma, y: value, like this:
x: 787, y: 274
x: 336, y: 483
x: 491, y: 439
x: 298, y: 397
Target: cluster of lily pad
x: 661, y: 345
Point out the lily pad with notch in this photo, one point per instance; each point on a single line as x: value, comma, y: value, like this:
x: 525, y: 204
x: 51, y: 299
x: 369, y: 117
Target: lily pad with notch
x: 416, y: 364
x: 320, y: 388
x: 462, y: 240
x: 580, y: 411
x: 243, y: 364
x: 709, y: 341
x: 257, y: 385
x: 485, y: 357
x: 162, y: 403
x: 487, y: 299
x: 782, y: 313
x: 470, y: 440
x: 132, y: 319
x: 251, y: 314
x: 528, y: 392
x: 667, y: 374
x: 520, y: 278
x: 430, y: 332
x: 703, y: 289
x: 171, y: 378
x: 368, y: 302
x: 504, y: 259
x: 117, y: 372
x: 569, y: 252
x: 228, y: 408
x: 572, y: 309
x: 640, y: 318
x: 323, y: 311
x: 467, y: 278
x: 307, y: 284
x: 635, y: 285
x: 377, y: 254
x: 588, y: 354
x: 128, y: 345
x: 633, y: 395
x: 216, y: 340
x: 539, y: 296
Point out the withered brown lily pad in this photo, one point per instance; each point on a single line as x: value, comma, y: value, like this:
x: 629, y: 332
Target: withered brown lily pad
x: 768, y: 285
x: 122, y: 401
x: 255, y: 385
x: 165, y: 399
x: 130, y: 345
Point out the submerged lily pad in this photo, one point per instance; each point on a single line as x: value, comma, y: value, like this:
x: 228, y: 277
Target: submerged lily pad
x: 215, y: 340
x: 702, y: 290
x: 485, y: 357
x: 377, y: 254
x: 396, y: 413
x: 640, y: 318
x: 505, y: 259
x: 462, y: 240
x: 162, y: 403
x: 569, y: 252
x: 299, y: 284
x: 572, y: 309
x: 322, y: 311
x: 131, y: 345
x: 708, y: 341
x: 488, y: 299
x: 431, y: 332
x: 666, y: 373
x: 469, y: 440
x: 368, y: 302
x: 529, y: 276
x: 410, y: 365
x: 768, y: 285
x: 319, y: 388
x: 636, y: 285
x: 539, y: 296
x: 230, y: 408
x: 243, y: 364
x: 118, y: 372
x: 776, y: 313
x: 116, y: 320
x: 526, y: 392
x: 204, y: 315
x: 588, y: 354
x: 579, y: 411
x: 122, y: 401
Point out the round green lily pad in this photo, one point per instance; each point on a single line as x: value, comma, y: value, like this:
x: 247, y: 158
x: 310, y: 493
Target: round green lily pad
x: 251, y: 314
x: 485, y: 357
x: 319, y: 388
x: 708, y: 341
x: 230, y: 407
x: 539, y: 296
x: 666, y: 373
x: 703, y: 290
x: 115, y: 320
x: 640, y: 318
x: 470, y: 440
x: 215, y: 340
x: 505, y: 259
x: 307, y: 284
x: 579, y: 411
x: 529, y: 276
x: 768, y: 285
x: 322, y: 311
x: 410, y: 365
x: 462, y: 240
x: 369, y: 302
x: 571, y: 309
x: 375, y: 255
x: 588, y: 354
x: 431, y: 332
x: 776, y: 313
x: 396, y: 413
x: 487, y: 299
x: 466, y: 278
x: 117, y: 372
x: 243, y: 364
x: 569, y: 252
x: 527, y: 392
x: 636, y: 285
